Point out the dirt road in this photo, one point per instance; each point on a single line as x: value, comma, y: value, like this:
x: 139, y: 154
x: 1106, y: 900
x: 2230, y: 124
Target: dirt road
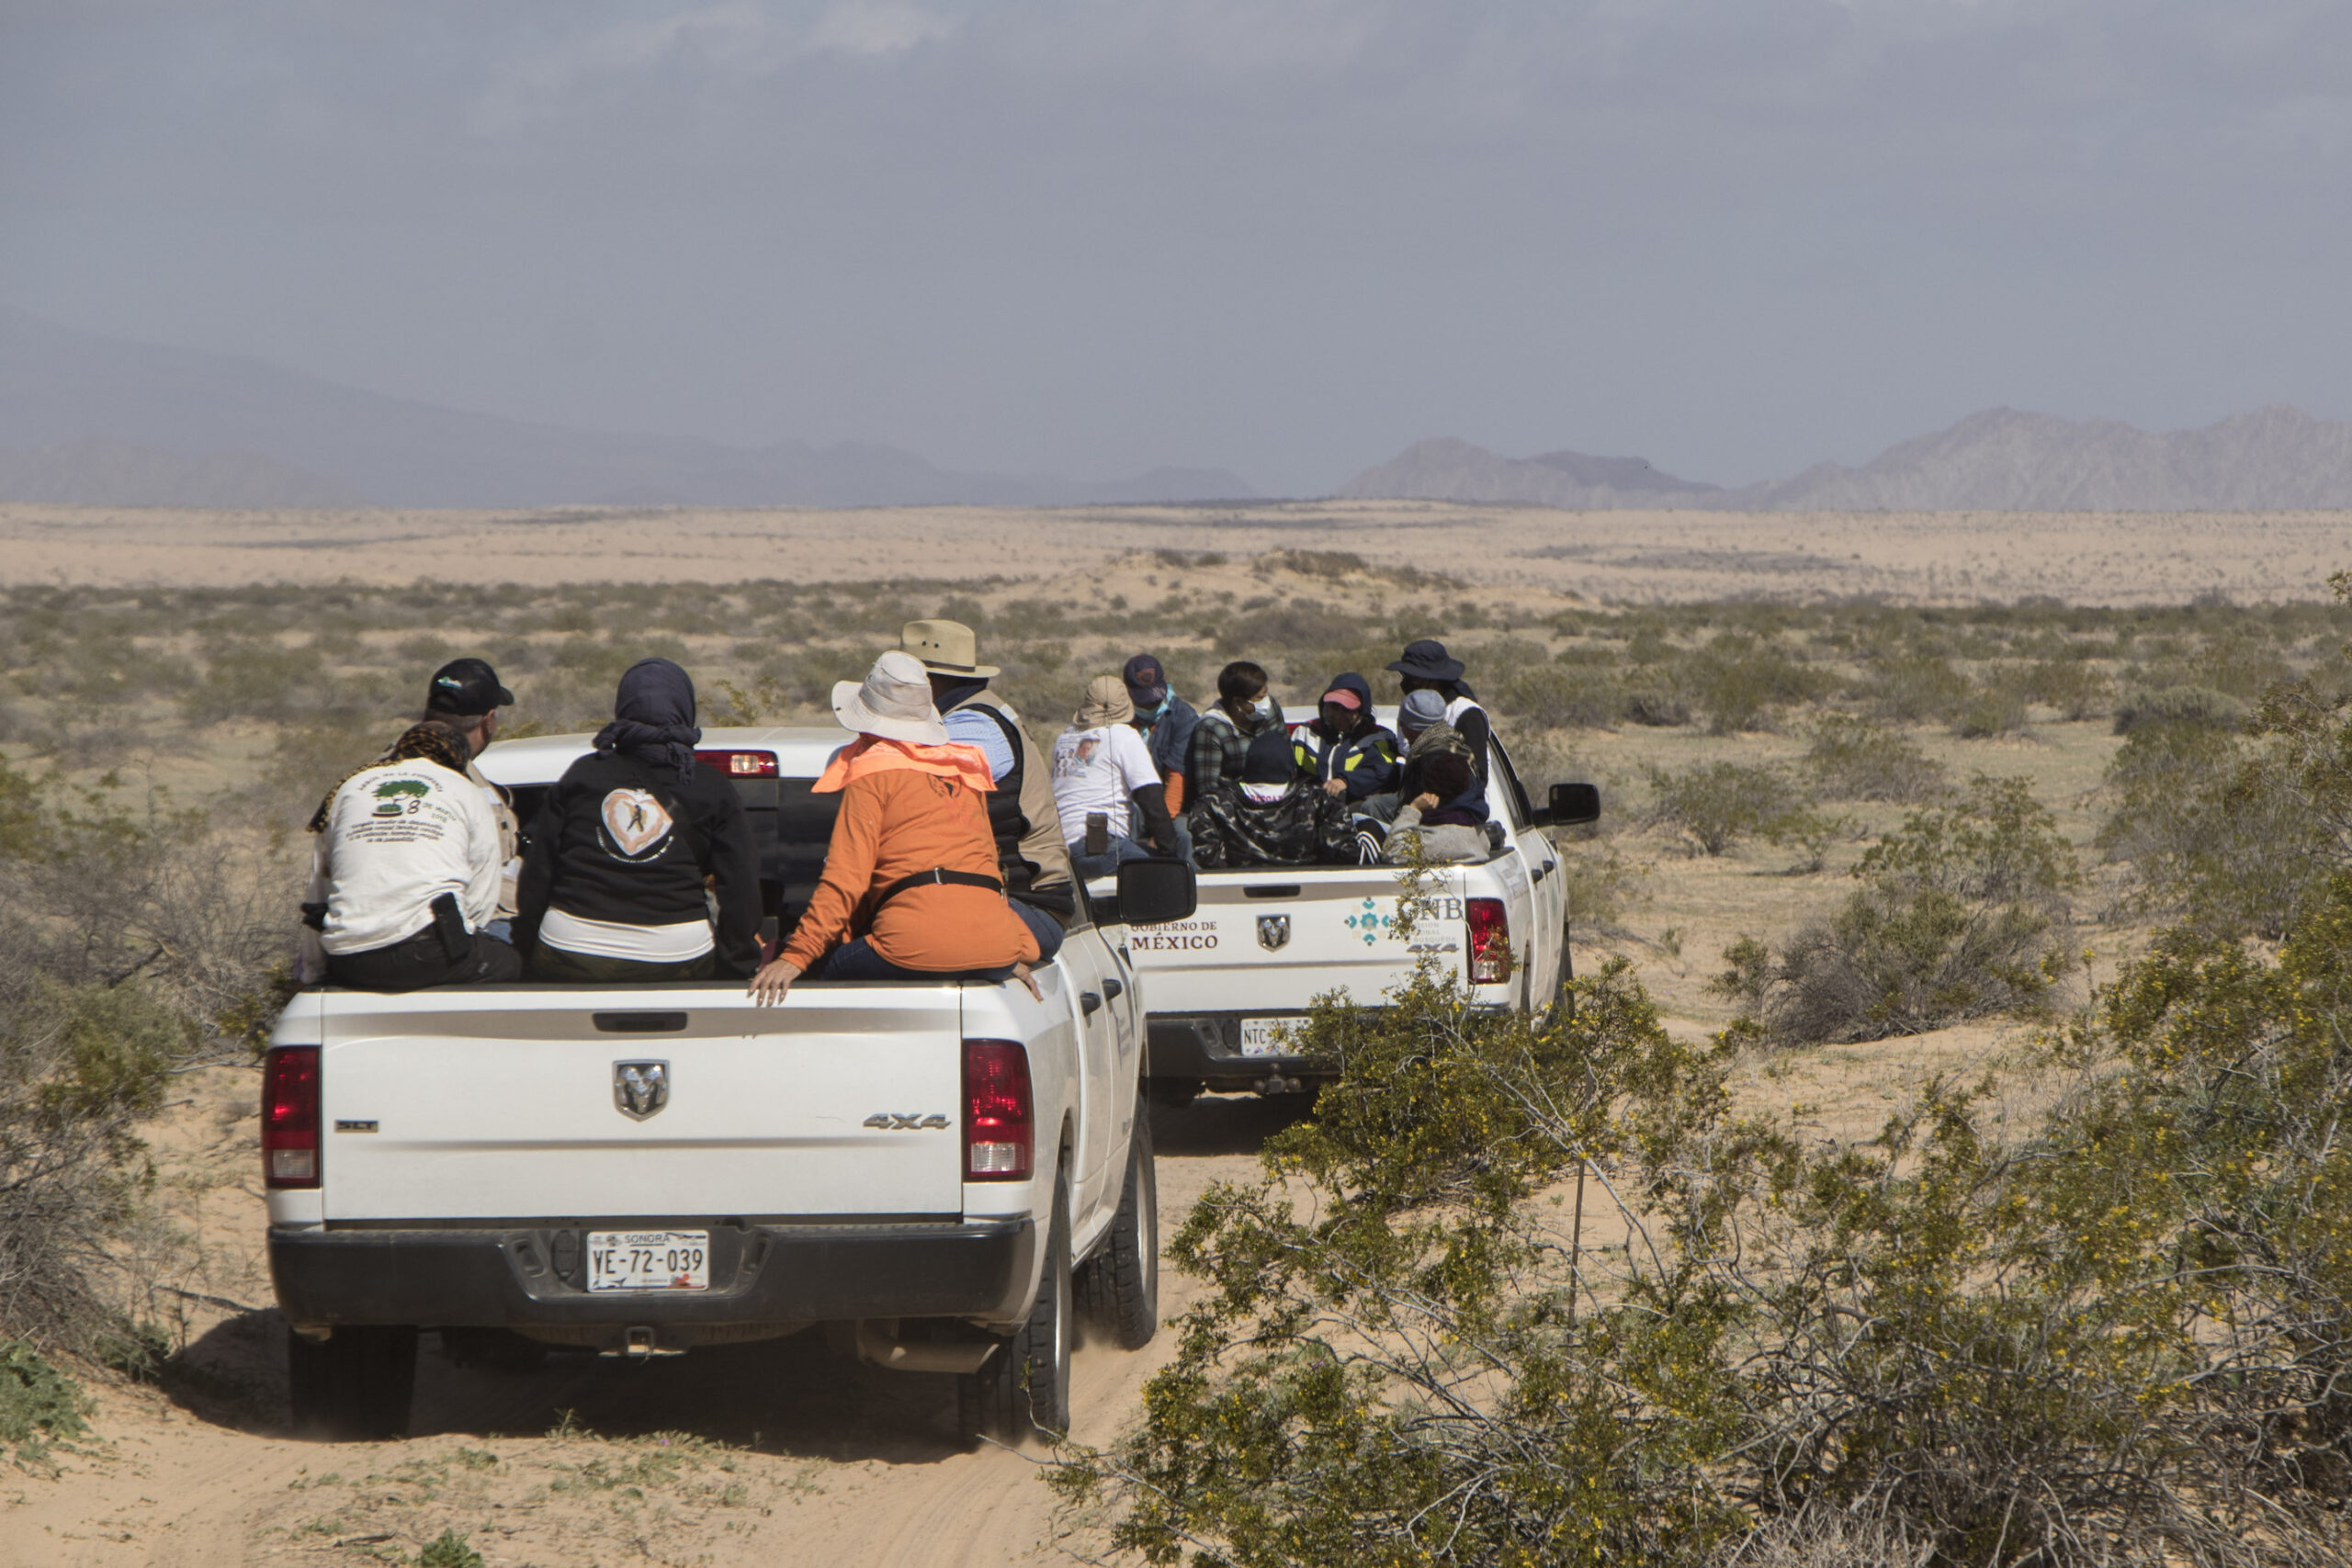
x: 773, y: 1453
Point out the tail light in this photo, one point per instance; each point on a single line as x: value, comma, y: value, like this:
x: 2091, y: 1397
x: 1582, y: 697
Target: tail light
x: 289, y: 1116
x: 1490, y: 942
x: 997, y: 1114
x: 740, y: 765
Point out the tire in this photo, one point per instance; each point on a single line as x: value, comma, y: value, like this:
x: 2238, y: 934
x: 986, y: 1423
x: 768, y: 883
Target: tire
x: 1024, y: 1385
x: 1562, y: 1006
x: 1118, y: 1288
x: 357, y: 1386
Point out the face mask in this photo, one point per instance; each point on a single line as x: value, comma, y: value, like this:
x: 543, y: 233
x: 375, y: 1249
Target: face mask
x: 1153, y: 714
x: 1263, y: 707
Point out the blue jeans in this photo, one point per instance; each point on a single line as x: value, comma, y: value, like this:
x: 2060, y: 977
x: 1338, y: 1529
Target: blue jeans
x: 857, y: 959
x: 1042, y: 925
x: 1118, y: 852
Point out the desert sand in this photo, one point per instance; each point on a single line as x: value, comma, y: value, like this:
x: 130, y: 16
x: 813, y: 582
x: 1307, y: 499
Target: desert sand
x: 1612, y: 556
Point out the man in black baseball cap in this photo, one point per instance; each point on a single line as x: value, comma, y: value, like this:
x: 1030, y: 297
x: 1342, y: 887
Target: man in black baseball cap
x: 464, y: 695
x: 466, y: 688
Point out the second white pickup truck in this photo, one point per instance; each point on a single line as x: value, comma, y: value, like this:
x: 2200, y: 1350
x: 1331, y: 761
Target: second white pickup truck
x: 943, y: 1174
x: 1266, y: 940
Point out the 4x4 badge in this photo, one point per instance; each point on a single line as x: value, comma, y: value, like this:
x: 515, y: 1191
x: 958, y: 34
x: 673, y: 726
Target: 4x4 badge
x: 1274, y: 931
x: 640, y: 1088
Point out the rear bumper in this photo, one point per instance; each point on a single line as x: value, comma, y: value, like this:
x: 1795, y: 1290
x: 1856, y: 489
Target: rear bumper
x: 526, y: 1276
x: 1207, y: 1046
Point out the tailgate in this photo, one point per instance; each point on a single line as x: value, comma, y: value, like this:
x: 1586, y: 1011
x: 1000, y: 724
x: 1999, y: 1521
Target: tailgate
x: 466, y: 1103
x: 1262, y: 940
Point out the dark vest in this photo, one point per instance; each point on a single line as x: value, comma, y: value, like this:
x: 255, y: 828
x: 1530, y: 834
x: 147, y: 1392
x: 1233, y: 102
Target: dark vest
x: 1007, y: 821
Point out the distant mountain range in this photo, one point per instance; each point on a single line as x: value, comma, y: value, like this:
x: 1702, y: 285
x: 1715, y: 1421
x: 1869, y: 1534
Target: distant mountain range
x: 2277, y: 459
x: 98, y: 421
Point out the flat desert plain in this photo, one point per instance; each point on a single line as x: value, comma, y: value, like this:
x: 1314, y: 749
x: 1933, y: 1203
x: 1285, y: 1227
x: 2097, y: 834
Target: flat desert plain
x: 1603, y: 557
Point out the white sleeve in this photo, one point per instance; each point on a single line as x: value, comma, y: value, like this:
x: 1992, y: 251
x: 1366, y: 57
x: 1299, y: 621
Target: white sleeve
x: 1137, y: 770
x: 485, y: 863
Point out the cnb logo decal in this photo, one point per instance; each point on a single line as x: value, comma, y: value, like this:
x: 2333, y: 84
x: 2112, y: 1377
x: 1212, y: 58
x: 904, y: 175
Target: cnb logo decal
x: 1274, y: 931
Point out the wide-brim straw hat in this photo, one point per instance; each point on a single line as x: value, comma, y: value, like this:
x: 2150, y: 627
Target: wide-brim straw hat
x: 946, y: 647
x: 892, y: 701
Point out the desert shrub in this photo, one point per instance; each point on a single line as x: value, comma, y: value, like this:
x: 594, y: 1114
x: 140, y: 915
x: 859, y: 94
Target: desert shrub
x: 2113, y: 1333
x: 448, y: 1550
x: 78, y: 1066
x: 1553, y: 696
x: 1914, y: 688
x: 2071, y: 685
x: 1852, y: 759
x: 1741, y: 683
x: 1961, y: 916
x: 1293, y: 627
x: 39, y: 1403
x: 2214, y: 831
x: 1655, y: 704
x: 2178, y: 705
x: 1716, y: 804
x: 1996, y: 707
x: 1602, y: 884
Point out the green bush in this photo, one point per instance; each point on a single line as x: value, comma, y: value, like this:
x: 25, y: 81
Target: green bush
x: 1553, y: 696
x: 2071, y: 685
x: 1914, y: 688
x: 1961, y: 916
x: 2215, y: 830
x: 2115, y: 1332
x: 448, y: 1550
x: 1852, y: 759
x: 1742, y: 684
x: 39, y: 1403
x: 1716, y: 804
x: 2179, y: 706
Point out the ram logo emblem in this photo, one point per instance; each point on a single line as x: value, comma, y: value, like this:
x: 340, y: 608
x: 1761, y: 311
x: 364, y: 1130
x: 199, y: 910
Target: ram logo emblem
x: 640, y: 1088
x: 1274, y: 931
x: 900, y: 1121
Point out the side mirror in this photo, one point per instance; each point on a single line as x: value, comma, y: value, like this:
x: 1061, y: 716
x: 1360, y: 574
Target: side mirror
x: 1153, y: 892
x: 1571, y: 805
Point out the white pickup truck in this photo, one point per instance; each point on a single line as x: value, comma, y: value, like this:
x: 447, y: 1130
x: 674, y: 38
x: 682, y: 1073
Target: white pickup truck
x: 1266, y: 940
x: 942, y: 1174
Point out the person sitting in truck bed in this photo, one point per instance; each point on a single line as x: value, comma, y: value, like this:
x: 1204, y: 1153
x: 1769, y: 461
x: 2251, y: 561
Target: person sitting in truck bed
x: 1348, y: 753
x: 613, y: 881
x: 1244, y: 710
x: 1446, y: 822
x: 911, y: 889
x: 1425, y: 666
x: 1271, y: 815
x: 1032, y: 850
x: 1103, y: 769
x: 408, y: 871
x: 1166, y: 722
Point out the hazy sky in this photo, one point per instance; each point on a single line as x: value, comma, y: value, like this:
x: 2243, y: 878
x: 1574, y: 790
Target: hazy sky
x: 1283, y: 236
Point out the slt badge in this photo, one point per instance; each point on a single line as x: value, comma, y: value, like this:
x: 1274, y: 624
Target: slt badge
x: 640, y: 1088
x: 1274, y: 931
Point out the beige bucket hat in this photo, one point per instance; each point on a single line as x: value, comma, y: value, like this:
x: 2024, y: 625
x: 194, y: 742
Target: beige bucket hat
x: 893, y: 702
x: 946, y: 648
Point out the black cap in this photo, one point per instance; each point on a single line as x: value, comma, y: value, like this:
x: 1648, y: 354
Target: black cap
x: 1146, y: 682
x: 466, y: 687
x: 1428, y: 660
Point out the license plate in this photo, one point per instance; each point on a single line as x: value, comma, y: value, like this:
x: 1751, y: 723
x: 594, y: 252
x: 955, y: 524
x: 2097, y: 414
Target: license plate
x: 1265, y: 1036
x: 649, y: 1261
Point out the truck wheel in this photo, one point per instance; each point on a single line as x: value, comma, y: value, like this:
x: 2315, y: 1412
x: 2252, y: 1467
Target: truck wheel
x: 357, y: 1387
x: 1025, y: 1386
x: 1118, y: 1288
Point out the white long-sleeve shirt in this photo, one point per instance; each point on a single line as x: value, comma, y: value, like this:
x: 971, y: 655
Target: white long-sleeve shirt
x: 398, y: 836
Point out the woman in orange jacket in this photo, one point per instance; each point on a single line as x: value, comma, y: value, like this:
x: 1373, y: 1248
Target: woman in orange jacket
x: 911, y: 888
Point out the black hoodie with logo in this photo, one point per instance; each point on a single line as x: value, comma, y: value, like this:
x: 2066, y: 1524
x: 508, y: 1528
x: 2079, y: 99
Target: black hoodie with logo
x: 629, y: 842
